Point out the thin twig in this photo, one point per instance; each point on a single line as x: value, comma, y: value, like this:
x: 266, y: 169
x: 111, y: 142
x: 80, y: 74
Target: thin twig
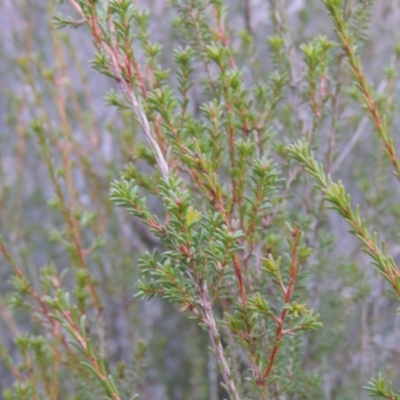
x: 212, y: 329
x: 139, y: 112
x: 355, y: 138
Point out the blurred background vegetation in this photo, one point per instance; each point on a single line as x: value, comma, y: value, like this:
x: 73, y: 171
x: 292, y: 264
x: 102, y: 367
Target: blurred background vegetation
x: 46, y: 74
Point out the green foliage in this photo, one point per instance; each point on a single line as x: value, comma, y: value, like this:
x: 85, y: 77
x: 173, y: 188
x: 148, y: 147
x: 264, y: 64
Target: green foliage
x: 379, y: 388
x: 213, y: 214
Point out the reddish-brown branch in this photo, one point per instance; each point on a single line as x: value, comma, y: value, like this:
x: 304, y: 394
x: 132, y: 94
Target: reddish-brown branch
x: 280, y: 332
x: 368, y: 98
x: 43, y: 310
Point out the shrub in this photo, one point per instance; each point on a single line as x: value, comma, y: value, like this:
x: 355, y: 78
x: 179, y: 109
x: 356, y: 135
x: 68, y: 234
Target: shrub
x: 229, y: 162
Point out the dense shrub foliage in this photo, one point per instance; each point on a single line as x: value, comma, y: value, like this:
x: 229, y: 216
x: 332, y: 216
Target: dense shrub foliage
x: 196, y: 237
